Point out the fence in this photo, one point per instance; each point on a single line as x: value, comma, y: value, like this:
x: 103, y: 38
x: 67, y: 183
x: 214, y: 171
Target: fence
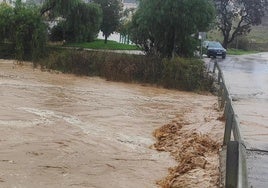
x: 236, y: 168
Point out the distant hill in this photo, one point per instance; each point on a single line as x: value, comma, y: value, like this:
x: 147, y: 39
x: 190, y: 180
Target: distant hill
x: 265, y: 20
x: 260, y: 33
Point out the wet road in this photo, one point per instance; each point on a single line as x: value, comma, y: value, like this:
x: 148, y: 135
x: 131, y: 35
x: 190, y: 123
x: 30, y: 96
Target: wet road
x: 246, y: 78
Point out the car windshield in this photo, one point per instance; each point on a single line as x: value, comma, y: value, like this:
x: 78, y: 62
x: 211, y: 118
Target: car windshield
x: 214, y: 45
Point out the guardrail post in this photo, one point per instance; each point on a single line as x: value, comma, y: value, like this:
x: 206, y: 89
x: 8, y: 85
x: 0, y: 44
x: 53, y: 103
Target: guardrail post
x: 214, y: 68
x: 223, y: 96
x: 236, y: 131
x: 227, y: 107
x: 232, y: 164
x: 243, y: 175
x: 219, y: 77
x: 228, y: 127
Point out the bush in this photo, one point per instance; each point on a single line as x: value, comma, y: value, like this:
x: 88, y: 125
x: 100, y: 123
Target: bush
x: 183, y: 74
x: 23, y: 28
x: 56, y: 33
x: 7, y: 51
x: 186, y: 74
x: 241, y: 43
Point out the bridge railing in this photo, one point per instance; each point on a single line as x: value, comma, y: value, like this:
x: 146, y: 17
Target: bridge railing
x: 236, y: 168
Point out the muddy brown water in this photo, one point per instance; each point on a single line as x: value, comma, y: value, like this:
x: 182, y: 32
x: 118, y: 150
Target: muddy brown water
x: 66, y: 131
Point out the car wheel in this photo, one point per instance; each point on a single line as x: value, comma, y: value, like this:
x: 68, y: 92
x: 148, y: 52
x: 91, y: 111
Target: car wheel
x: 208, y: 56
x: 223, y: 57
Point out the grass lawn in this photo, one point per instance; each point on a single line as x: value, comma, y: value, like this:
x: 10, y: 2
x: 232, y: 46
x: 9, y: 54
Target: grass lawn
x: 99, y: 44
x: 232, y: 51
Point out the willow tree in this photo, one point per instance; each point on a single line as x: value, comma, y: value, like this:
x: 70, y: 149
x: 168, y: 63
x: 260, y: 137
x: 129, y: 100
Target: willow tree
x: 61, y: 8
x: 23, y: 27
x: 111, y: 10
x: 80, y: 21
x: 83, y: 23
x: 235, y: 17
x: 167, y: 27
x: 6, y: 15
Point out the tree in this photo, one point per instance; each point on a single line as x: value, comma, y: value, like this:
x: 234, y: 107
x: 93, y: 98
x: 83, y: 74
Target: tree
x: 235, y: 17
x: 83, y: 22
x: 6, y: 14
x: 166, y: 27
x: 80, y: 20
x: 111, y: 16
x: 61, y: 8
x: 26, y: 30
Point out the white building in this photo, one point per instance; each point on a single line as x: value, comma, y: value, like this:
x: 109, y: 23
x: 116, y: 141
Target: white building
x: 11, y: 2
x: 130, y: 4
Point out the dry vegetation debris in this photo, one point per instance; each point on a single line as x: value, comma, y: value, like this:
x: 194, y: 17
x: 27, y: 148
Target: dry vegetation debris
x: 196, y: 154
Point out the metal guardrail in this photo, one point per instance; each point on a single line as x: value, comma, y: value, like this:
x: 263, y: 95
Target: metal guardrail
x: 236, y: 167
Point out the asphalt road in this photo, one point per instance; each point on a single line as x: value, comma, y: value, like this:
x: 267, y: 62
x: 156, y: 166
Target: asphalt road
x: 246, y: 78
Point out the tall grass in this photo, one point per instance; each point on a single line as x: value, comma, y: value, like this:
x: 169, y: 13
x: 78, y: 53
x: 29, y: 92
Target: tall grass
x: 99, y: 44
x: 7, y: 51
x: 183, y: 74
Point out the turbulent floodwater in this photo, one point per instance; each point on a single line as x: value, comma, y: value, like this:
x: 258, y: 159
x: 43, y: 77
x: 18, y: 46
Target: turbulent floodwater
x: 65, y: 131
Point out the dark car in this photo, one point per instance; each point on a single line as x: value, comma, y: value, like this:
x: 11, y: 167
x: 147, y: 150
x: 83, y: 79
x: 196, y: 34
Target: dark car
x: 215, y: 49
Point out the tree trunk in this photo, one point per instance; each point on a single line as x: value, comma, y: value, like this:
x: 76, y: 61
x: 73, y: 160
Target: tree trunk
x: 225, y: 41
x: 106, y: 37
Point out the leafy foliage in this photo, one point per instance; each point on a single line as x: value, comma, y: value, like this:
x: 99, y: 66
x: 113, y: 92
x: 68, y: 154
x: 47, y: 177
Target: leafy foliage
x: 55, y: 8
x: 235, y: 17
x: 165, y: 27
x: 24, y: 28
x: 178, y: 73
x: 83, y: 22
x: 80, y: 21
x: 99, y: 44
x: 111, y: 16
x: 6, y: 15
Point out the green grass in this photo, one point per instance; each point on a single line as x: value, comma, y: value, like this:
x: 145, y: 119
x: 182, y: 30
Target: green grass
x: 232, y: 51
x: 99, y: 44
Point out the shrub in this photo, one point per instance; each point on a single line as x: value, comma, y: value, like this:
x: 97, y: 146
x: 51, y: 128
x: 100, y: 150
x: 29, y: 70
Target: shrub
x: 7, y: 51
x: 179, y: 73
x: 186, y: 74
x: 56, y: 33
x: 241, y: 43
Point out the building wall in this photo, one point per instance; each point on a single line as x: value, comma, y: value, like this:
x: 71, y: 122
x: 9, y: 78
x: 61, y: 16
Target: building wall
x: 11, y: 2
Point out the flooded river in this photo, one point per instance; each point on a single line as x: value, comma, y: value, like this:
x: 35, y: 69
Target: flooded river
x: 66, y: 131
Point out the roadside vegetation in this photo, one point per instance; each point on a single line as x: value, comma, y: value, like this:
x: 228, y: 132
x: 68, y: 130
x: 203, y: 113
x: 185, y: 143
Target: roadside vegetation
x: 167, y: 34
x: 178, y: 73
x: 99, y: 44
x: 232, y: 51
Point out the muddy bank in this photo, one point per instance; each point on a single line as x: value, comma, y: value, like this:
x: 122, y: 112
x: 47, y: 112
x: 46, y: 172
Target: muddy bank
x: 65, y: 131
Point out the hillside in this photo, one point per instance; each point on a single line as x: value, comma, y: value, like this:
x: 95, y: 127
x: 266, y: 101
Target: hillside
x: 265, y: 20
x: 257, y: 39
x: 259, y: 33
